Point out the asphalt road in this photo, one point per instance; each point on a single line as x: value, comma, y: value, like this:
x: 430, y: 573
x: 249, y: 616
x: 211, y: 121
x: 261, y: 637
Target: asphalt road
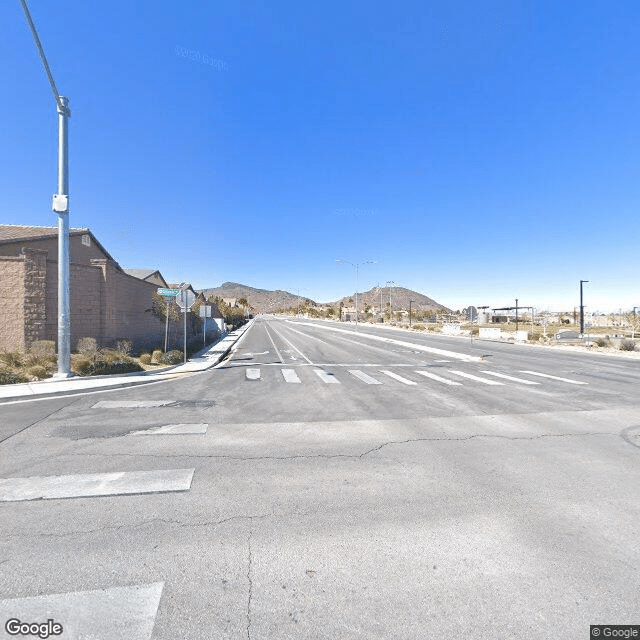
x: 351, y: 483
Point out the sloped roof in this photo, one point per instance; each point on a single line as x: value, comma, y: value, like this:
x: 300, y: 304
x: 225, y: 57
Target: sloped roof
x: 18, y: 232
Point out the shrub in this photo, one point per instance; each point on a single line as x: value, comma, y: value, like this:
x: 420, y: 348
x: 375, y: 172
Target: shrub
x: 628, y: 345
x: 11, y: 376
x: 81, y: 365
x: 157, y: 357
x: 145, y: 358
x: 10, y: 359
x: 602, y: 342
x: 87, y: 346
x: 124, y: 345
x: 106, y: 363
x: 419, y: 327
x: 37, y: 371
x: 175, y: 356
x: 44, y: 349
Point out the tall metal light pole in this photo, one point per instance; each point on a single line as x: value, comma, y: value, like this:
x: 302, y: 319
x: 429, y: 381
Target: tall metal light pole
x: 581, y: 309
x: 410, y: 303
x: 356, y: 265
x: 516, y: 314
x: 61, y: 206
x: 389, y: 282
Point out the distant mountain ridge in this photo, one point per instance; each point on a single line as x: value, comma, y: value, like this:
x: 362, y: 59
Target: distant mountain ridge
x: 265, y: 300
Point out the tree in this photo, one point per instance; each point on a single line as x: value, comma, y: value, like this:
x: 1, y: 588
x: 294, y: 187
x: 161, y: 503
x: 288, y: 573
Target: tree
x: 633, y: 321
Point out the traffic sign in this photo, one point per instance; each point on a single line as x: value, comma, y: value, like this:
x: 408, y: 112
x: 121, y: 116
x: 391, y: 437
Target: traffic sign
x: 168, y: 292
x: 186, y: 299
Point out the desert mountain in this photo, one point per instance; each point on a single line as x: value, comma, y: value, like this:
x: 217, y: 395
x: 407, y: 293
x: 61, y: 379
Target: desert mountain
x: 400, y: 298
x: 263, y: 300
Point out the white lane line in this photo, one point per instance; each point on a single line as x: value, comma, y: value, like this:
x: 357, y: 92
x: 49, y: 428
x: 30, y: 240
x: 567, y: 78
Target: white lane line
x: 442, y: 352
x: 274, y: 345
x: 290, y: 375
x: 395, y: 376
x: 364, y: 377
x: 90, y: 485
x: 326, y: 377
x: 252, y: 374
x: 433, y: 376
x: 546, y: 375
x: 126, y: 613
x: 293, y: 346
x: 506, y: 377
x: 173, y: 429
x: 131, y: 404
x: 477, y: 378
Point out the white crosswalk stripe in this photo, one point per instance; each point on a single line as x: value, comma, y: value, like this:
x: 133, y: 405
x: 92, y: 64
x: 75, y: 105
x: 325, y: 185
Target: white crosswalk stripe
x: 546, y: 375
x: 252, y: 374
x: 367, y: 379
x: 433, y: 376
x: 395, y: 376
x: 506, y: 377
x: 326, y: 377
x: 464, y: 374
x: 290, y: 375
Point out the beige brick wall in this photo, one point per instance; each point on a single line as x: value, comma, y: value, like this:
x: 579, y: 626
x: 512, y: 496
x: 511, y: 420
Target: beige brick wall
x: 12, y: 303
x: 106, y: 303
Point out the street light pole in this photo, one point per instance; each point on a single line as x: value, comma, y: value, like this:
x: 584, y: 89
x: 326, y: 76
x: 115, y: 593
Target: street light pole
x: 516, y: 314
x: 60, y: 206
x: 410, y: 302
x: 581, y: 309
x: 356, y: 265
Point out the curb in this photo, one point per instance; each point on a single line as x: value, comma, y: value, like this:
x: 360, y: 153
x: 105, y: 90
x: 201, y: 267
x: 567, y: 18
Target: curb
x: 220, y: 349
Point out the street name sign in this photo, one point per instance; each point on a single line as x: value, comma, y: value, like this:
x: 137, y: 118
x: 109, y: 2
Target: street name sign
x: 168, y: 292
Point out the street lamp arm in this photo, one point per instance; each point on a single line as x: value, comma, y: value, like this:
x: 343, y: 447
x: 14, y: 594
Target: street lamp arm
x: 62, y: 108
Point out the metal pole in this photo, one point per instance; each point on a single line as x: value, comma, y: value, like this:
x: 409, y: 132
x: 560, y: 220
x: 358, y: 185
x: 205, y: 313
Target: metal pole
x: 410, y: 301
x: 64, y: 307
x: 184, y: 310
x: 204, y: 327
x: 166, y: 326
x: 581, y: 309
x: 356, y: 296
x: 516, y: 314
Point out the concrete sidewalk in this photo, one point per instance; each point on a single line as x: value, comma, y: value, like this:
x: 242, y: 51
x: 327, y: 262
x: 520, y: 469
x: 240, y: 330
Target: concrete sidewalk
x: 201, y: 361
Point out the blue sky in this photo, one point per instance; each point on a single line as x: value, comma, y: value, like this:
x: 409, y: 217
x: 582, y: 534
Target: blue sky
x: 478, y: 151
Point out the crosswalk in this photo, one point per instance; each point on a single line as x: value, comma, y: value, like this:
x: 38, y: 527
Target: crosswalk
x: 406, y: 377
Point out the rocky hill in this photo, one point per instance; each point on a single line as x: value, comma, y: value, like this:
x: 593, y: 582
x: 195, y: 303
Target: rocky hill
x: 262, y: 300
x: 400, y: 298
x: 265, y: 301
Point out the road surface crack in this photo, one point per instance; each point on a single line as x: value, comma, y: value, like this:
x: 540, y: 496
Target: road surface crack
x: 351, y: 456
x: 178, y: 523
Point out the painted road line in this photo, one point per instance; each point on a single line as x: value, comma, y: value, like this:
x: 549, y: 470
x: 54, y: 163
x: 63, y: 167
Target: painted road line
x: 172, y: 429
x: 476, y: 378
x: 413, y: 345
x: 546, y: 375
x: 293, y: 346
x: 274, y: 345
x: 94, y: 484
x: 252, y: 374
x: 506, y: 377
x: 131, y: 404
x: 290, y: 375
x: 126, y: 613
x: 326, y: 377
x: 364, y: 377
x: 433, y: 376
x: 395, y: 376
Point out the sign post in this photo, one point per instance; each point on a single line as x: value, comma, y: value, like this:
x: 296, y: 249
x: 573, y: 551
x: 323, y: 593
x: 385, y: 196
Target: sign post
x: 205, y: 312
x: 168, y: 294
x: 185, y: 301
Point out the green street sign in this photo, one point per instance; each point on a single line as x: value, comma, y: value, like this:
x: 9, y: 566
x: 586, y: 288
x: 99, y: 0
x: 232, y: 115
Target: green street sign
x: 168, y: 292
